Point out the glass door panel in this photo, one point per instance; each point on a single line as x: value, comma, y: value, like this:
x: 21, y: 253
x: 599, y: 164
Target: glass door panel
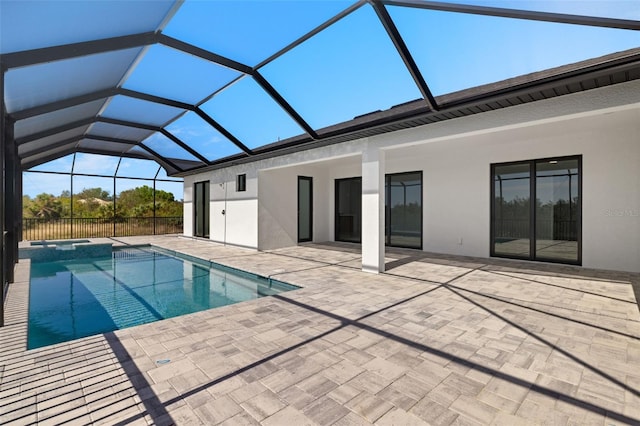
x: 557, y: 209
x: 511, y: 210
x: 305, y: 208
x: 348, y: 226
x: 404, y: 210
x: 201, y: 209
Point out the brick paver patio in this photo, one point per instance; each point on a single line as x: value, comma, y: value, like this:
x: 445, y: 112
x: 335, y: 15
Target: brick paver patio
x: 435, y: 340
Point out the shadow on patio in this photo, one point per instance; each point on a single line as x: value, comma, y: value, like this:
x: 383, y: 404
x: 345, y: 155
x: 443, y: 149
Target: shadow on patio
x: 481, y: 341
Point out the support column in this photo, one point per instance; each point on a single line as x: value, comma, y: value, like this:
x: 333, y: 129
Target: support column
x: 373, y: 209
x: 3, y: 255
x: 19, y: 204
x: 10, y: 220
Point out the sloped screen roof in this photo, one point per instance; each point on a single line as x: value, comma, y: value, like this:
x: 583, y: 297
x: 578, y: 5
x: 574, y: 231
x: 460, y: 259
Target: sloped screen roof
x: 197, y: 84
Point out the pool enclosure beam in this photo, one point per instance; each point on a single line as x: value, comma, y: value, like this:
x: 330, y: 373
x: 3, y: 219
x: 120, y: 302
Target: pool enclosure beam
x: 530, y: 15
x: 153, y: 98
x: 140, y: 40
x: 186, y: 147
x: 55, y: 155
x: 159, y: 158
x: 3, y: 257
x: 64, y: 103
x: 403, y: 51
x: 10, y: 196
x: 75, y: 50
x: 277, y: 97
x: 10, y: 206
x: 244, y: 69
x: 213, y: 123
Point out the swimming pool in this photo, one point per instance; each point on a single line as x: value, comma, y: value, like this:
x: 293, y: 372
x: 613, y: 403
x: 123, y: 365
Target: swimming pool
x: 70, y: 299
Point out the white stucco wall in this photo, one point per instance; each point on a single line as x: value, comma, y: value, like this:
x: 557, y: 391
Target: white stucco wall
x: 188, y: 205
x: 238, y: 226
x: 602, y: 125
x: 456, y: 183
x: 277, y: 207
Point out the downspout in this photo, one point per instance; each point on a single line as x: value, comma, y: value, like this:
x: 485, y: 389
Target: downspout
x: 224, y: 212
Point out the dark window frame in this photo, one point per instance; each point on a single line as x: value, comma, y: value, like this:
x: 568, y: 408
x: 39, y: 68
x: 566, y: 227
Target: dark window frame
x: 241, y: 182
x: 310, y: 180
x: 532, y: 211
x: 204, y: 208
x: 336, y: 224
x: 387, y: 212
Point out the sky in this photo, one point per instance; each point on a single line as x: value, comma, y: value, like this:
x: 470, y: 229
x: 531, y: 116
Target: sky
x: 350, y: 68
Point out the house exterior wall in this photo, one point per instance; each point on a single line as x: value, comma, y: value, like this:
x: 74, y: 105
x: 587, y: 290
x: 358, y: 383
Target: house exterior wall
x: 457, y: 185
x: 602, y: 125
x: 238, y: 225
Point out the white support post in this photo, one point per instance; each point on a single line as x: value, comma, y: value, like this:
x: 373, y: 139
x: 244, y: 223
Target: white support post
x: 373, y: 209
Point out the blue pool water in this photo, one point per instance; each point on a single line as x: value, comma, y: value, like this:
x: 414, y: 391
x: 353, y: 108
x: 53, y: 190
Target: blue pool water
x: 70, y: 299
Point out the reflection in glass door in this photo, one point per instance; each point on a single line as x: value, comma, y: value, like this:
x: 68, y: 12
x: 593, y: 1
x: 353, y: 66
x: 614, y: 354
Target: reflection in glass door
x: 201, y: 209
x: 348, y: 226
x: 511, y: 210
x: 557, y: 209
x: 404, y: 210
x: 548, y: 229
x: 305, y: 208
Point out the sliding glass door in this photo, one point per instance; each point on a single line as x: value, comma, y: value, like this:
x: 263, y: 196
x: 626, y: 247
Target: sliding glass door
x: 348, y: 226
x: 403, y: 210
x: 403, y: 218
x: 548, y: 229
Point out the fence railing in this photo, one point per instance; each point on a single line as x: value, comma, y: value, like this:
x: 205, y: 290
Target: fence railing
x: 64, y: 228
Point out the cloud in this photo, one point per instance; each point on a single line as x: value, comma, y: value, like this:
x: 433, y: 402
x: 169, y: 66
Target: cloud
x: 95, y: 164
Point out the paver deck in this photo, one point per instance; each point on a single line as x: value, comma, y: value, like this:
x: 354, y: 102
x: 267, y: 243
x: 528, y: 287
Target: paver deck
x: 435, y: 340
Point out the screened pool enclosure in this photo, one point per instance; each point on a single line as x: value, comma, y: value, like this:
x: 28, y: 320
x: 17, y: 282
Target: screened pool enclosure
x: 197, y: 86
x: 89, y: 195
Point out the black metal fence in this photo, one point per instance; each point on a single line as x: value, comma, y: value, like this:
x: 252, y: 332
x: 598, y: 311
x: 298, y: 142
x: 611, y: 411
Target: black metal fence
x: 65, y: 228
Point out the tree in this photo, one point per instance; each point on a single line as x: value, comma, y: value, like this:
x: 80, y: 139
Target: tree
x: 132, y: 198
x: 65, y: 200
x: 45, y: 206
x: 106, y: 212
x: 97, y: 203
x: 138, y: 202
x: 90, y: 193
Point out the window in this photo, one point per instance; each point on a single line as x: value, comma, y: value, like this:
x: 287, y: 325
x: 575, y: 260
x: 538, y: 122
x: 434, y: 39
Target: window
x: 548, y: 229
x: 241, y: 183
